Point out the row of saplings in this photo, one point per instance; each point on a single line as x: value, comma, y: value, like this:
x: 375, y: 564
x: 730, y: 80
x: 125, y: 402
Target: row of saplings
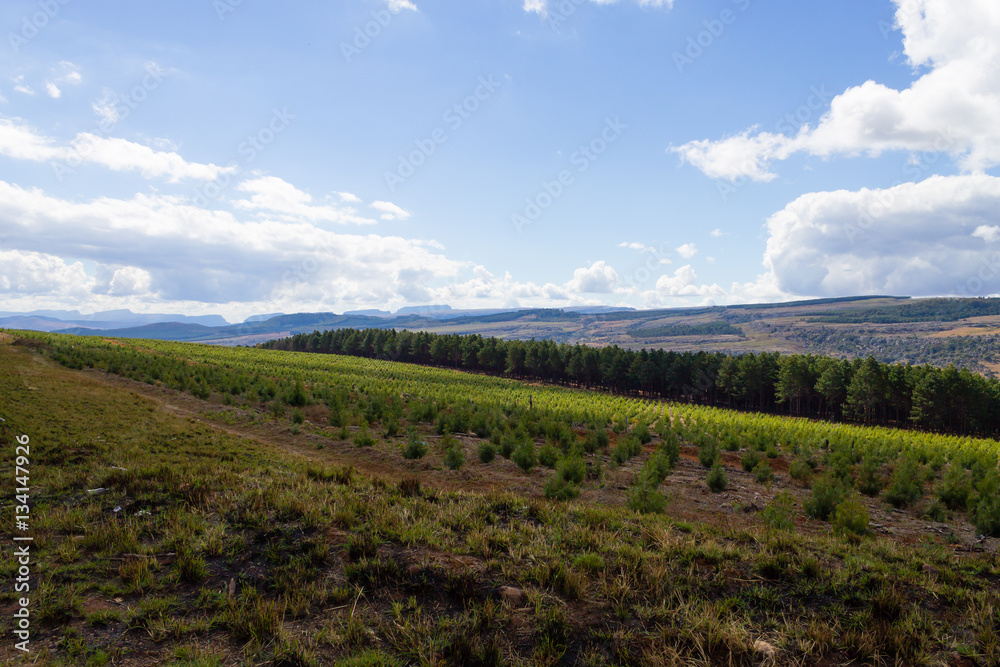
x: 836, y: 475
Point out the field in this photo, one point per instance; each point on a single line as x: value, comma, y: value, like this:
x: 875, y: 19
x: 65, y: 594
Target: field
x: 264, y: 507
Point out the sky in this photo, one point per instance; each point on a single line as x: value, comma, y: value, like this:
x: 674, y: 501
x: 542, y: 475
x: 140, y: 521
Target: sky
x: 241, y: 157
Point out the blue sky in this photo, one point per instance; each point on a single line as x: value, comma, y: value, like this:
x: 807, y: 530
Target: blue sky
x: 243, y: 157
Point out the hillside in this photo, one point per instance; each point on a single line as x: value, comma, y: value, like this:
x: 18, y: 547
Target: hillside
x: 211, y: 506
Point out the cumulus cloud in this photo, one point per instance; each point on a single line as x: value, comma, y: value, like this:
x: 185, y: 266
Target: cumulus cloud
x: 27, y: 273
x: 598, y: 278
x: 19, y: 141
x: 53, y: 90
x: 687, y: 251
x: 165, y: 245
x: 271, y: 196
x: 129, y: 281
x: 951, y: 108
x: 988, y: 233
x: 918, y: 239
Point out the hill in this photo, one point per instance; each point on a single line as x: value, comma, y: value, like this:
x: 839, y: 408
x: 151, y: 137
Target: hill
x: 192, y: 504
x: 964, y: 332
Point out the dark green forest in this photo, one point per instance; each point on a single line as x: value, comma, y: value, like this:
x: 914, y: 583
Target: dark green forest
x: 923, y: 310
x: 863, y: 391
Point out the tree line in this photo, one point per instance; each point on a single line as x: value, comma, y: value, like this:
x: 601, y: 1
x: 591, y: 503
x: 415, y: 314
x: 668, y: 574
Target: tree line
x: 863, y: 391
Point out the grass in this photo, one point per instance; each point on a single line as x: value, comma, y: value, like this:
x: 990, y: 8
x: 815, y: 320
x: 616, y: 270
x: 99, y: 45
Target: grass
x: 233, y: 551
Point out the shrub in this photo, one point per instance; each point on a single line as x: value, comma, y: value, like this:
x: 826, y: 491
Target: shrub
x: 363, y: 438
x: 955, y: 488
x: 548, y: 456
x: 487, y: 452
x: 870, y: 480
x: 749, y: 461
x: 572, y: 469
x: 391, y: 427
x: 415, y: 448
x: 762, y: 471
x: 717, y: 480
x: 986, y: 510
x: 778, y: 513
x: 936, y: 512
x: 904, y: 485
x: 558, y: 488
x: 626, y: 448
x: 851, y: 517
x: 671, y: 449
x: 658, y: 467
x: 298, y: 417
x: 643, y: 497
x: 524, y: 456
x: 454, y: 458
x: 827, y: 493
x: 800, y: 470
x: 507, y: 445
x: 296, y: 396
x: 641, y: 431
x: 708, y: 452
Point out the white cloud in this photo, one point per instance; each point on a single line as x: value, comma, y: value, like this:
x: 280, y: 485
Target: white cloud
x: 130, y: 280
x: 918, y: 239
x: 106, y: 108
x: 35, y: 274
x: 637, y: 246
x: 390, y: 211
x: 537, y: 6
x: 21, y: 142
x: 687, y: 251
x: 599, y: 278
x: 180, y: 253
x: 349, y: 198
x: 53, y: 90
x: 717, y: 233
x: 21, y: 87
x: 396, y: 6
x: 951, y: 108
x: 273, y: 196
x: 988, y: 233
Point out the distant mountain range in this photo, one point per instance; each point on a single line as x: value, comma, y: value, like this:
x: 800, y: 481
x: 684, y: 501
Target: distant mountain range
x: 256, y: 328
x: 965, y: 332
